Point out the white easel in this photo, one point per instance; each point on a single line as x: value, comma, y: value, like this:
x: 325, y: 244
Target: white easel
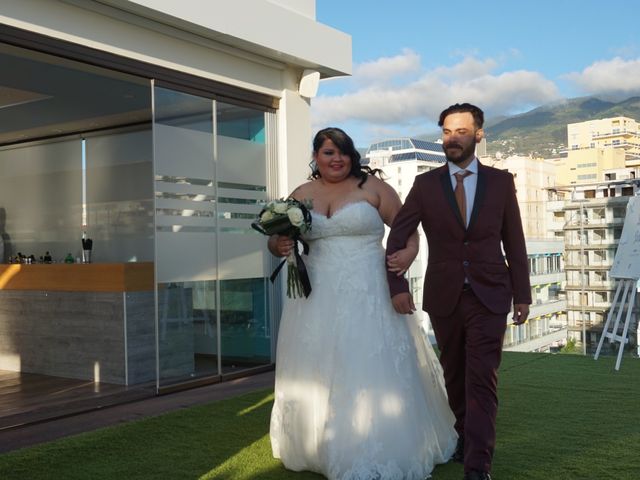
x: 628, y: 287
x: 626, y: 270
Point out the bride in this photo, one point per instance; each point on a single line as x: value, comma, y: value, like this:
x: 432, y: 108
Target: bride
x: 359, y: 393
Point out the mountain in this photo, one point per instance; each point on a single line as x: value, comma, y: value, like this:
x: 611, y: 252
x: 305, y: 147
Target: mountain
x: 543, y: 130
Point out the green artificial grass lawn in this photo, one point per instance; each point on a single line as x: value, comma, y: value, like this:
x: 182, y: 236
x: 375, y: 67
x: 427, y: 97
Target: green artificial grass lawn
x: 561, y: 417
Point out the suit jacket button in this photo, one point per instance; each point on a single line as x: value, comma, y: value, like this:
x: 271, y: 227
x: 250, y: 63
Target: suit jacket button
x: 465, y: 263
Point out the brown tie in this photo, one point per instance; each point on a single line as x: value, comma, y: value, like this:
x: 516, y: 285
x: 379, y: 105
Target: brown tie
x: 461, y: 199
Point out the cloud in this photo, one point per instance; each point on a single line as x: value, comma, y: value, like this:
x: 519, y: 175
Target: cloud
x: 384, y: 69
x: 419, y: 100
x: 608, y: 77
x: 468, y: 69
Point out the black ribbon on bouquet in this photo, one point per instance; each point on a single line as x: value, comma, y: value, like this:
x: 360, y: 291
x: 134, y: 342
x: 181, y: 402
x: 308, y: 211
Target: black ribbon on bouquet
x: 300, y: 266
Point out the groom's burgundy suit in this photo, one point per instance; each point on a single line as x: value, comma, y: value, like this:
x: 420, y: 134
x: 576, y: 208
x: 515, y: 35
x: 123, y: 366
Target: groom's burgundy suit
x: 468, y: 290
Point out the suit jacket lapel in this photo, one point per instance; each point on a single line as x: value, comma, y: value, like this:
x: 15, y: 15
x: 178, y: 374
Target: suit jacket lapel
x: 445, y: 179
x: 481, y: 188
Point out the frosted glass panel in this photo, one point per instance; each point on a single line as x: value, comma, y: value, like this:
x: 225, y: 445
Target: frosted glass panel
x: 243, y: 259
x: 241, y: 161
x: 183, y: 152
x: 41, y: 199
x: 185, y: 223
x: 184, y: 257
x: 120, y: 196
x: 184, y: 188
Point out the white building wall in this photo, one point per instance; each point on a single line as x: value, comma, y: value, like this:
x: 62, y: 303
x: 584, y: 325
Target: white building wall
x: 533, y: 177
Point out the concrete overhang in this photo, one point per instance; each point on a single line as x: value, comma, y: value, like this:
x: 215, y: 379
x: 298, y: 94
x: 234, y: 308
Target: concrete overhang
x: 255, y: 26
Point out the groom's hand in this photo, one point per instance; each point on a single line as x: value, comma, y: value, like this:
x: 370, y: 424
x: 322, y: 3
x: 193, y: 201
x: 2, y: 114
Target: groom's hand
x: 520, y: 313
x: 403, y: 303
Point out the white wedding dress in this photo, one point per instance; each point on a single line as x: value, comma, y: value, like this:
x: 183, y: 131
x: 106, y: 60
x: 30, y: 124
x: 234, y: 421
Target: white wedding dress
x: 359, y: 392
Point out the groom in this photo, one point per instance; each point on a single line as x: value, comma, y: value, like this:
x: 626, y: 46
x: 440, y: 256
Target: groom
x: 469, y: 213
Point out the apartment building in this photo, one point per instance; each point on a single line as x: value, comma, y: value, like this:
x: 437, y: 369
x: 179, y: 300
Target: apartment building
x: 546, y: 326
x: 593, y: 220
x: 619, y: 133
x: 532, y: 177
x: 598, y: 146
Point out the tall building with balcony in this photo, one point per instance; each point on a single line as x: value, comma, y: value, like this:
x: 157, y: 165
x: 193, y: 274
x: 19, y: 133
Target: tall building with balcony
x: 594, y: 218
x: 596, y: 147
x: 619, y: 133
x: 546, y: 325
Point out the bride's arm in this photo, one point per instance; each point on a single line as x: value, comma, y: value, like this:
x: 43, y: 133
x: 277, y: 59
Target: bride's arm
x: 390, y: 203
x: 400, y: 261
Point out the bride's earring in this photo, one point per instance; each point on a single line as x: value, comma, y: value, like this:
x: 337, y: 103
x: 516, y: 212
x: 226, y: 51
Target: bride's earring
x: 314, y: 169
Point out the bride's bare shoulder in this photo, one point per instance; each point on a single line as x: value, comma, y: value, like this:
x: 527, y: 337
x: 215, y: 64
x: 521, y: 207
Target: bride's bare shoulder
x: 378, y: 186
x: 304, y: 191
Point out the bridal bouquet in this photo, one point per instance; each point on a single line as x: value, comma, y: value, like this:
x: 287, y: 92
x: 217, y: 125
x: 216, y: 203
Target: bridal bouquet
x: 292, y: 218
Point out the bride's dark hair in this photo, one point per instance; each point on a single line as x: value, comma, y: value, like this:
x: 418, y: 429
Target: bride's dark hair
x: 345, y: 144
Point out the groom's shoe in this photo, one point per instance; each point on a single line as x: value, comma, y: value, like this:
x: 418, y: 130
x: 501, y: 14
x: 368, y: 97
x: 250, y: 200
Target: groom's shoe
x: 477, y: 475
x: 458, y: 455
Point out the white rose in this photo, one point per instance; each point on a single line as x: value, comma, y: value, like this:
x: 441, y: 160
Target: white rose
x: 266, y: 216
x: 280, y: 207
x: 296, y: 217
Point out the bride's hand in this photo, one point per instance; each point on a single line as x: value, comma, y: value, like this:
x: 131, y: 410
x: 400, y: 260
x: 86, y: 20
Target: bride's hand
x: 281, y: 245
x: 400, y: 261
x: 403, y: 303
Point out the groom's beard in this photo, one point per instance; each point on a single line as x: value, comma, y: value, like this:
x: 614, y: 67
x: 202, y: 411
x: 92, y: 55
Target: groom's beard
x: 457, y: 152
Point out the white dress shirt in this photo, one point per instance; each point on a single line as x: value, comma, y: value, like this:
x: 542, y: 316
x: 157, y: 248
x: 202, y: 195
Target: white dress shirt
x: 470, y: 182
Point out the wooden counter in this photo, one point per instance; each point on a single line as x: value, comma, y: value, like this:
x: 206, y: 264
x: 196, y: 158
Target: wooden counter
x: 76, y: 277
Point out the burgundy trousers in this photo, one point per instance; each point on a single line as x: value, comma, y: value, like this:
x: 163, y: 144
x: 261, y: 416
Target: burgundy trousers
x: 470, y: 343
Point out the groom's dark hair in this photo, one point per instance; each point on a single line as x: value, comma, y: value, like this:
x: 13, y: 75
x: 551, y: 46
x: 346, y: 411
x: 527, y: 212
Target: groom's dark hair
x: 478, y: 115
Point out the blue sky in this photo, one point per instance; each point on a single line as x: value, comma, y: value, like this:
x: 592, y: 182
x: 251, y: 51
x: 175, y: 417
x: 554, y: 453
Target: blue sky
x: 412, y: 58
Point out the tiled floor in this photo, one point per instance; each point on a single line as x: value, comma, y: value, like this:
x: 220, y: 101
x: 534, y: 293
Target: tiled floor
x: 28, y: 398
x: 123, y: 405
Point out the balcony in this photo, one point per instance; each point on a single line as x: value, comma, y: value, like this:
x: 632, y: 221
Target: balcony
x: 619, y: 133
x: 545, y: 278
x: 587, y: 268
x: 539, y: 343
x: 590, y: 224
x: 555, y: 206
x: 606, y: 244
x: 592, y: 286
x: 587, y: 309
x: 597, y: 202
x: 547, y: 308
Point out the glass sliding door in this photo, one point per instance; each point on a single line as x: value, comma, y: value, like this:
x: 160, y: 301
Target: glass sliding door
x: 186, y: 246
x: 210, y: 169
x: 242, y: 149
